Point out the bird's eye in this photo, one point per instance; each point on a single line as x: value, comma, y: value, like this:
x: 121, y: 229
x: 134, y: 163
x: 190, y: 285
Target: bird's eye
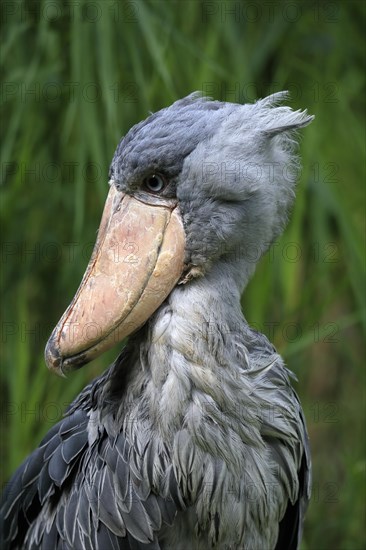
x: 154, y: 183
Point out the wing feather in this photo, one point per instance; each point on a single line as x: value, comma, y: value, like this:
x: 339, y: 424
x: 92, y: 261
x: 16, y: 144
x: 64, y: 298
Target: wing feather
x: 72, y: 493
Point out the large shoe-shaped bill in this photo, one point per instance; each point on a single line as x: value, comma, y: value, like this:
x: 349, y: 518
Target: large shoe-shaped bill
x: 137, y: 260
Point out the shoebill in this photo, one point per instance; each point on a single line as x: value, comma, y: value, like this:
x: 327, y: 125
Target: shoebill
x: 194, y: 438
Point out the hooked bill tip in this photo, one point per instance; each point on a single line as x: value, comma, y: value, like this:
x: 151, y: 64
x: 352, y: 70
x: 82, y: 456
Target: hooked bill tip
x: 53, y: 357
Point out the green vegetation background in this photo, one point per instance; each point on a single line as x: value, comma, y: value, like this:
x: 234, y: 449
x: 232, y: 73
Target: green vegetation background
x: 75, y: 77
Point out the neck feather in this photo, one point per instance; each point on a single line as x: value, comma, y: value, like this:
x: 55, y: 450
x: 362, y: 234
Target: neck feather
x: 198, y: 358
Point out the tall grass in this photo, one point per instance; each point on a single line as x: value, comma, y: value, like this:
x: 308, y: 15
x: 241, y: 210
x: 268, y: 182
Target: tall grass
x: 75, y: 78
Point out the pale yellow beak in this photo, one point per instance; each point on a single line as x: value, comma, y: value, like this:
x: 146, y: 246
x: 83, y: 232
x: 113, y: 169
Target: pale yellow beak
x: 137, y: 260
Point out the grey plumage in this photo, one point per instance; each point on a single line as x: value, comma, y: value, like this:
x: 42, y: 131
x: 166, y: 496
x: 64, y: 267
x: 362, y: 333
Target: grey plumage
x: 202, y: 442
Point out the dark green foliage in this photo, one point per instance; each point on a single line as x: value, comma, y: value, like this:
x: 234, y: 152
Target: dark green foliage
x: 76, y: 76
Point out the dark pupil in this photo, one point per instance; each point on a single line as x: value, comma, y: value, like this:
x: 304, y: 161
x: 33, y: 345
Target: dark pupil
x: 154, y: 182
